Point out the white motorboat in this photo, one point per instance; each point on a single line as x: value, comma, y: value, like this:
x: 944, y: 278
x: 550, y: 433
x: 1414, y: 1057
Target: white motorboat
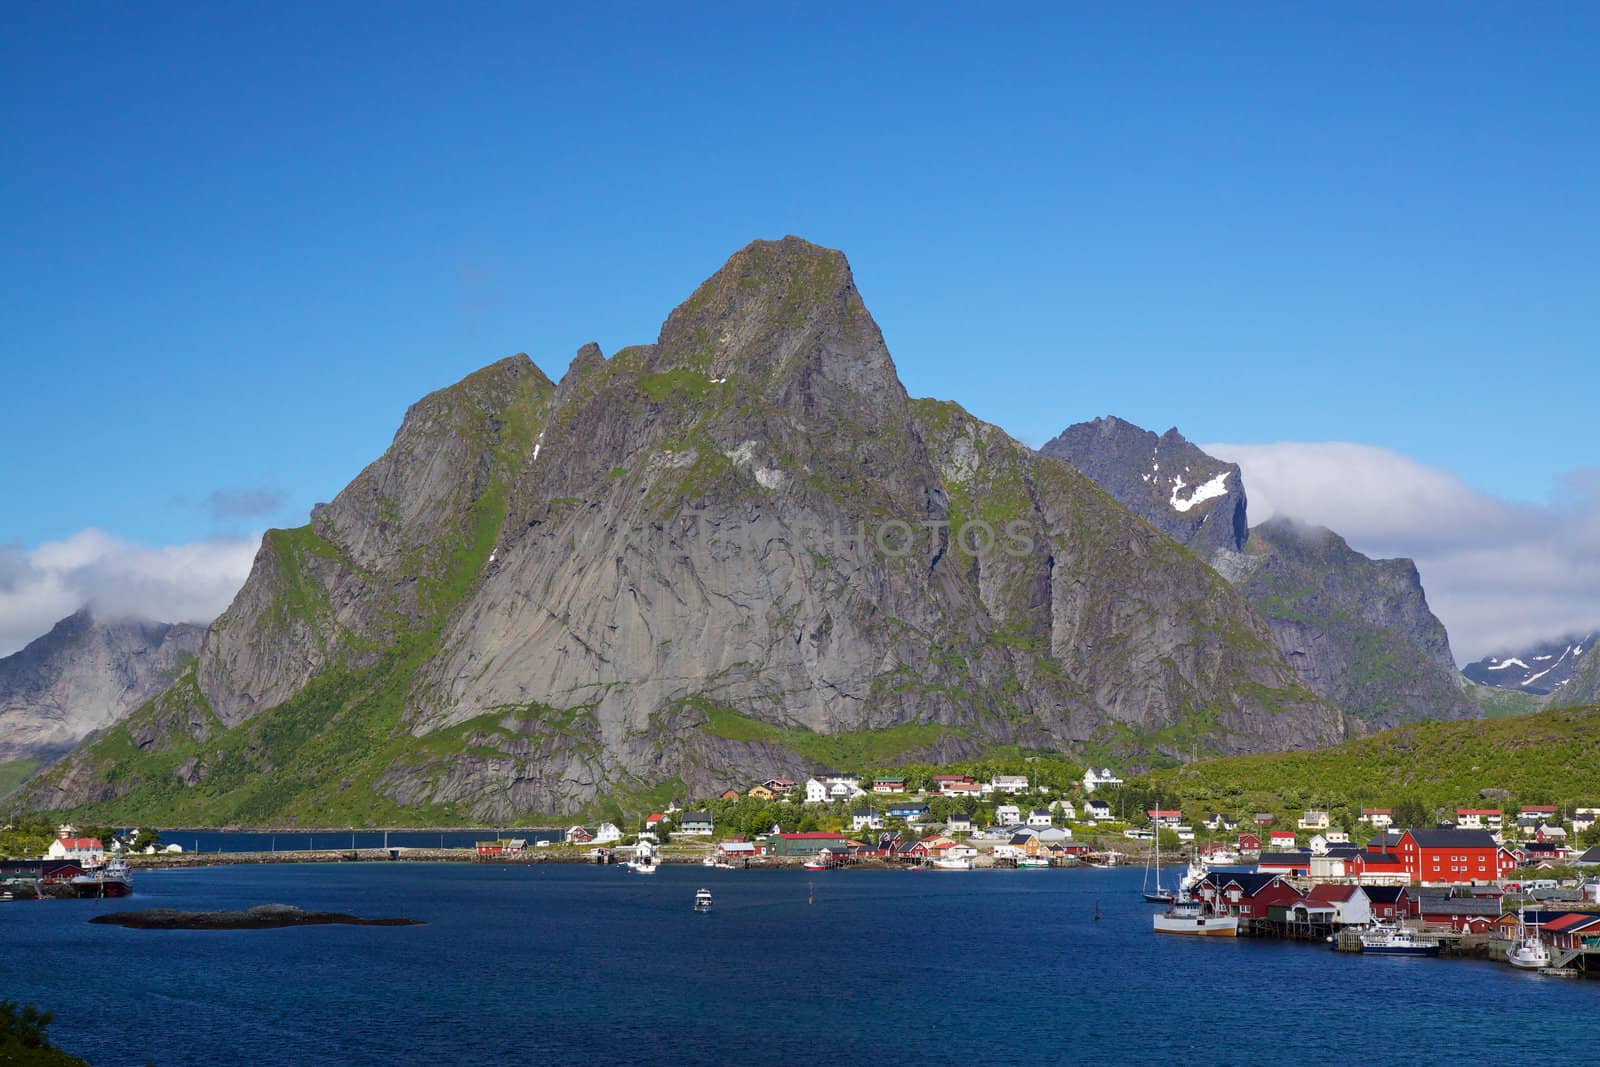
x: 1382, y: 940
x: 1032, y: 863
x: 1527, y: 951
x: 702, y: 900
x: 951, y: 863
x: 1195, y: 919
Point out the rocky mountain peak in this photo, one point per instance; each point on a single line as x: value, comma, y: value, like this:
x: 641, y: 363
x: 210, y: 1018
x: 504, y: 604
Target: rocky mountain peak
x: 782, y: 319
x: 1192, y: 497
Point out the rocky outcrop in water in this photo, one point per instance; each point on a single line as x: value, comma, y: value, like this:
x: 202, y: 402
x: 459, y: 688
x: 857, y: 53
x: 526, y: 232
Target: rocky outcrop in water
x: 261, y: 917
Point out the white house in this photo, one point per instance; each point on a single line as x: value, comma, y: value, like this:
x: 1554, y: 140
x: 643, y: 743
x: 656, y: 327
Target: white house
x: 1379, y: 817
x: 1584, y: 818
x: 1008, y: 815
x: 1039, y: 818
x: 1165, y: 816
x: 1064, y: 809
x: 1314, y: 820
x: 1337, y: 837
x: 1096, y: 810
x: 86, y: 850
x: 959, y: 823
x: 1009, y: 783
x: 1093, y: 779
x: 866, y: 819
x: 697, y: 823
x: 1184, y: 832
x: 607, y: 833
x: 816, y: 791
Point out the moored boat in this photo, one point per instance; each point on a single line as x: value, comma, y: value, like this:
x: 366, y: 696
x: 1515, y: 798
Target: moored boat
x: 112, y: 880
x: 1382, y: 940
x: 1527, y: 951
x: 1195, y: 919
x: 951, y: 863
x: 1032, y: 863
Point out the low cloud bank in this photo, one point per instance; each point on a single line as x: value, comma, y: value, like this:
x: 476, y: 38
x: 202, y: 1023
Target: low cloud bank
x: 114, y: 578
x: 1498, y: 573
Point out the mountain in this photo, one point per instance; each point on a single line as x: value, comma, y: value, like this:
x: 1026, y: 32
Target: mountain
x: 1563, y: 669
x: 1193, y: 498
x: 1358, y: 631
x: 635, y: 583
x: 84, y: 675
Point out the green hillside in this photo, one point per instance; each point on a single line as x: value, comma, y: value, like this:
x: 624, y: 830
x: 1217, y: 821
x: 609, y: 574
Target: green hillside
x: 1549, y: 757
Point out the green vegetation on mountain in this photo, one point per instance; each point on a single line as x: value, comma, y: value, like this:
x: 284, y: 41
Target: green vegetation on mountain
x: 1549, y: 757
x: 14, y: 772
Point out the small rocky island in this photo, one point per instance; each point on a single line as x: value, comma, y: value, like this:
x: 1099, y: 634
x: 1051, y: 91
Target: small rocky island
x: 262, y: 917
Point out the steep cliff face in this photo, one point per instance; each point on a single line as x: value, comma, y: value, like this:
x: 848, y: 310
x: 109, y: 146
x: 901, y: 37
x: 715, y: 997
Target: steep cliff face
x: 1193, y: 498
x: 662, y: 572
x: 1357, y: 631
x: 82, y: 676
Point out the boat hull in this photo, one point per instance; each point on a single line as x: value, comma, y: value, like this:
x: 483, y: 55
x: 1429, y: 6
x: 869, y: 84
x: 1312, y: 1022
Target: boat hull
x: 1211, y: 926
x: 1400, y: 950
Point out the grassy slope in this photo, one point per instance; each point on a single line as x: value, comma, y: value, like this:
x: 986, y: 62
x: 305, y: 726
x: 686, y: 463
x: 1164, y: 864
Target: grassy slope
x: 13, y: 772
x: 1550, y: 757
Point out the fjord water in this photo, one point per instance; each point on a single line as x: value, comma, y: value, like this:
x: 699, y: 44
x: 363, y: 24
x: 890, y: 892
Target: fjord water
x: 585, y: 964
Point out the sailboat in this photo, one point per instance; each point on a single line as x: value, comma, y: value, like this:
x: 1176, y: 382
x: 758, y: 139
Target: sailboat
x: 1527, y: 951
x: 1159, y: 895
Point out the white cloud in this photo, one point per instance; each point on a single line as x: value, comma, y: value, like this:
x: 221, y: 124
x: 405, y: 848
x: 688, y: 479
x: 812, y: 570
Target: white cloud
x: 1498, y: 573
x: 171, y: 583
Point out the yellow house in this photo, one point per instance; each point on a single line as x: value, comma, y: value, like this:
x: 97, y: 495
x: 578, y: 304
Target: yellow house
x: 761, y: 792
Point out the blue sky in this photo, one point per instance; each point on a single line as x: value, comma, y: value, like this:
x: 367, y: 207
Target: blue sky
x: 238, y: 243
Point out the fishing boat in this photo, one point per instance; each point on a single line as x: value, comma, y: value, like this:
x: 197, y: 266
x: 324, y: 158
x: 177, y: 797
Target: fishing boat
x: 702, y: 900
x: 1382, y: 940
x: 1032, y: 863
x: 816, y: 864
x: 112, y: 880
x: 951, y: 863
x: 1527, y: 952
x: 1195, y: 919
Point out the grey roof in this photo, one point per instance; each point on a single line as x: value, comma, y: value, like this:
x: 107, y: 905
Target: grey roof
x: 1453, y: 838
x: 695, y: 816
x: 1591, y: 856
x: 1440, y: 904
x: 1283, y: 859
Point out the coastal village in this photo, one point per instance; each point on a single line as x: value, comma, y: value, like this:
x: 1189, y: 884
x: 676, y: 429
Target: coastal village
x: 1467, y: 885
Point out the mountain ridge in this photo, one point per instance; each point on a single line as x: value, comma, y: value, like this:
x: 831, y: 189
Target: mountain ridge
x: 544, y: 595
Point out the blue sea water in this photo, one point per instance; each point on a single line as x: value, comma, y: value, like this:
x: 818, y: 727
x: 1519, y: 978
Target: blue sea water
x: 586, y: 964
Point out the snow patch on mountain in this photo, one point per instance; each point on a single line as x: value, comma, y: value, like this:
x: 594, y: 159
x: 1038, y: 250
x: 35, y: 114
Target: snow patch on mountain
x: 1209, y: 490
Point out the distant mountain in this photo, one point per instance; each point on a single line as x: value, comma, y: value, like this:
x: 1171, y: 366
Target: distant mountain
x: 663, y: 575
x: 84, y: 675
x: 1358, y: 631
x: 1564, y: 668
x: 1193, y: 498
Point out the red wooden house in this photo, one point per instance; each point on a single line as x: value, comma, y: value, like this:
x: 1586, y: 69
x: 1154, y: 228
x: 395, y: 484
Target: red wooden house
x: 1453, y: 856
x: 1247, y: 895
x: 1249, y: 842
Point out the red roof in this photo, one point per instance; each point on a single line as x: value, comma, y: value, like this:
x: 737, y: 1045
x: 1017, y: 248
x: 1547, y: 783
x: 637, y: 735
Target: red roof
x: 1163, y: 813
x: 1377, y: 811
x: 657, y: 817
x: 82, y: 843
x: 1543, y: 808
x: 1572, y: 921
x: 1478, y: 811
x: 1281, y: 833
x: 1325, y: 893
